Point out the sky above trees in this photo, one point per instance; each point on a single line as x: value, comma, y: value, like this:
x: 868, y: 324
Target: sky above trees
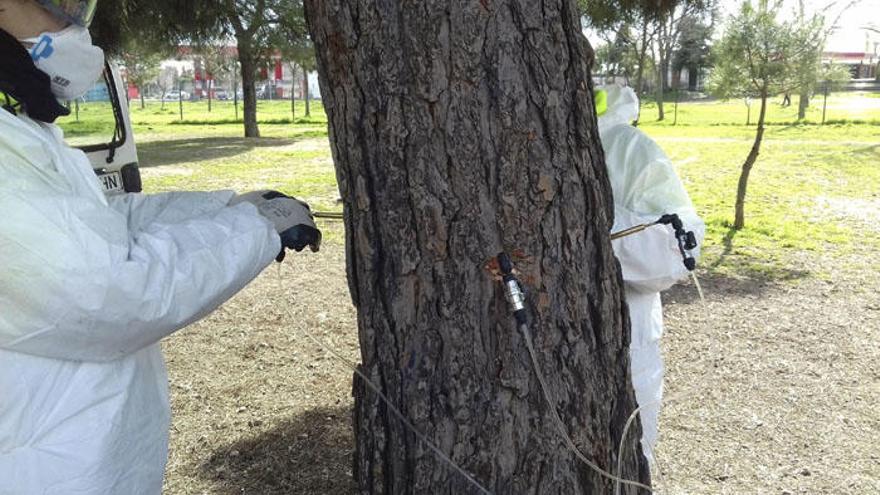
x: 850, y: 35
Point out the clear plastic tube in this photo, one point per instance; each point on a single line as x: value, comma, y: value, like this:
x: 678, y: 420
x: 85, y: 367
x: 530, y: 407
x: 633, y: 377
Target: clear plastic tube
x: 391, y: 407
x: 561, y: 426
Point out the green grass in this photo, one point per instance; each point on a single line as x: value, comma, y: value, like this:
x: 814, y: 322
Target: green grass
x: 787, y: 208
x: 857, y: 107
x: 803, y: 175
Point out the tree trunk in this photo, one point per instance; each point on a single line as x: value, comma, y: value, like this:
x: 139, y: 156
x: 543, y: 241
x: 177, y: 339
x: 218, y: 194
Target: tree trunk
x: 740, y: 220
x: 143, y: 103
x: 306, y: 95
x: 640, y: 74
x: 235, y: 95
x: 249, y: 88
x: 659, y: 92
x: 803, y: 104
x: 458, y: 132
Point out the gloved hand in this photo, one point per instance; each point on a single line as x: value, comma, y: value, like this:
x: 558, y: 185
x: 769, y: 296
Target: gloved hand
x: 292, y: 219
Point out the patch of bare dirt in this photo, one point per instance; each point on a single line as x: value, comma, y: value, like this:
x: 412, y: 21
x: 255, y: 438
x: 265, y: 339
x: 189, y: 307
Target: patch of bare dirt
x: 864, y: 211
x: 779, y: 383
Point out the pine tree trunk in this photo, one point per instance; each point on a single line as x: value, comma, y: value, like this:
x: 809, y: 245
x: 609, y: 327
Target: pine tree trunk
x: 458, y: 132
x: 740, y: 217
x: 249, y: 88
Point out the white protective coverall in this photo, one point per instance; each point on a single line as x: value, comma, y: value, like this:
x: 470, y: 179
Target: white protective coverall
x: 645, y: 186
x: 88, y: 288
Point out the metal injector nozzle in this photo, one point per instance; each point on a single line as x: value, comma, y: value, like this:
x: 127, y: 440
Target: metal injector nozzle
x: 512, y: 288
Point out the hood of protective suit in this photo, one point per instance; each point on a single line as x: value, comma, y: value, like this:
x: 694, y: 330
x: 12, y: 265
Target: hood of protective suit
x: 622, y: 106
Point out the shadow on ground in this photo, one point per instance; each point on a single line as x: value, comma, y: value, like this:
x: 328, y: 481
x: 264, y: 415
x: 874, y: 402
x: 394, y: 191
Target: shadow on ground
x: 188, y: 150
x: 867, y: 150
x: 717, y: 286
x: 309, y: 454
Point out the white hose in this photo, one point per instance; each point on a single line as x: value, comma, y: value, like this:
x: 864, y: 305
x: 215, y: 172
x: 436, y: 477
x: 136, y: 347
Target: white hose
x: 561, y: 426
x: 391, y: 407
x: 445, y: 458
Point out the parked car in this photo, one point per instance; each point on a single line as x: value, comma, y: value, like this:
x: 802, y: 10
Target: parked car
x: 176, y: 95
x: 221, y: 94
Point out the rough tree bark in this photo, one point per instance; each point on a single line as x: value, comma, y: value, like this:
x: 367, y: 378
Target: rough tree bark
x: 740, y: 215
x: 461, y: 129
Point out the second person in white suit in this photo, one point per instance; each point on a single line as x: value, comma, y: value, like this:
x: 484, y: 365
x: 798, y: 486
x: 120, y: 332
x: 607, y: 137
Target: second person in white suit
x: 645, y: 187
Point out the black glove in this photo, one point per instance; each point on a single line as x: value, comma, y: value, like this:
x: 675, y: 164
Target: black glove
x: 292, y: 219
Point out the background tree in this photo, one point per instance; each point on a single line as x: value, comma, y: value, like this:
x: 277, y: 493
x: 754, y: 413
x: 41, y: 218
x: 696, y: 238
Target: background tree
x: 670, y: 23
x: 218, y: 62
x: 166, y: 80
x: 831, y: 77
x: 694, y: 52
x: 459, y: 131
x: 659, y: 25
x: 304, y: 57
x: 292, y: 39
x: 250, y: 23
x: 617, y: 57
x: 142, y: 66
x: 761, y: 54
x: 813, y: 72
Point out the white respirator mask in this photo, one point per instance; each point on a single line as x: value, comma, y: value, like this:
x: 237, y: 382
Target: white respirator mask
x: 70, y: 59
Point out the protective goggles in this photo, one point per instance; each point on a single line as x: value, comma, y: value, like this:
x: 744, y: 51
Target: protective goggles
x: 79, y: 12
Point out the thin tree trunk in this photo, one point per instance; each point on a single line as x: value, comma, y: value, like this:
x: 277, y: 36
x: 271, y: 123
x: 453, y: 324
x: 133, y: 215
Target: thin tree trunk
x: 235, y: 95
x: 292, y: 67
x: 143, y: 103
x: 659, y: 91
x: 459, y: 132
x: 803, y: 104
x: 740, y: 220
x: 640, y: 74
x: 249, y: 88
x: 306, y: 96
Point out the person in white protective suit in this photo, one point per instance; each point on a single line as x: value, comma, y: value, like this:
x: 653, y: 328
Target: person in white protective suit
x: 90, y: 284
x: 645, y: 187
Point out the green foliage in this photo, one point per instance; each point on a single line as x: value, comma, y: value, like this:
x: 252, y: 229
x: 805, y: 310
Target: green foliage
x: 620, y: 57
x: 832, y: 77
x: 606, y: 14
x: 694, y: 50
x: 761, y: 54
x: 142, y: 63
